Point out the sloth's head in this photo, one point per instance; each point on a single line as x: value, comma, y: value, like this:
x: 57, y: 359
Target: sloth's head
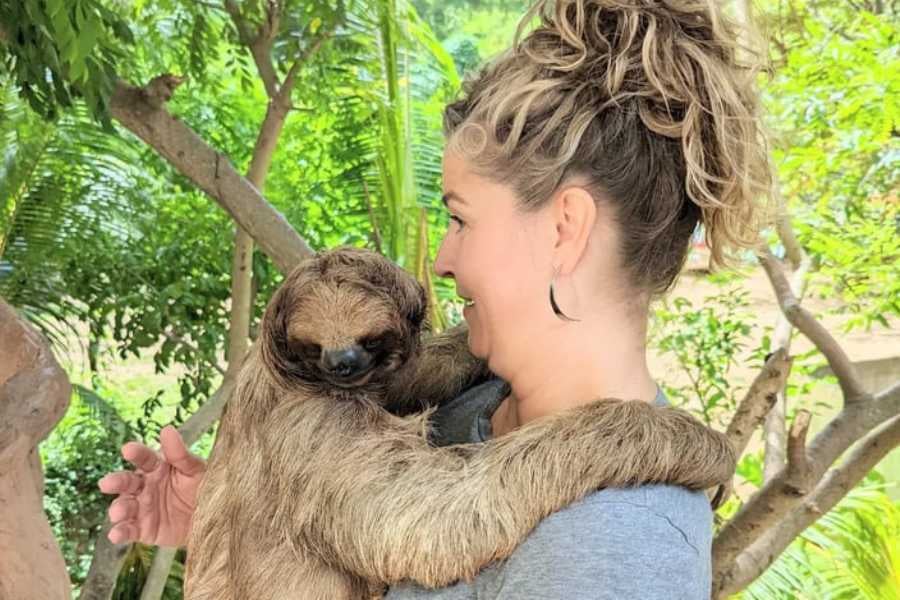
x: 346, y: 317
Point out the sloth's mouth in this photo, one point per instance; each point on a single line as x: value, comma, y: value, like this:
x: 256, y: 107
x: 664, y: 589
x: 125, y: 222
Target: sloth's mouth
x: 354, y: 380
x: 383, y: 366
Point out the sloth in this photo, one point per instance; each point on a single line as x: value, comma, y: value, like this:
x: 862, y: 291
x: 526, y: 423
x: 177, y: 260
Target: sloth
x: 322, y: 483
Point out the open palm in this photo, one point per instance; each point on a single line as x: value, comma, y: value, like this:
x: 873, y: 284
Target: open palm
x: 155, y: 502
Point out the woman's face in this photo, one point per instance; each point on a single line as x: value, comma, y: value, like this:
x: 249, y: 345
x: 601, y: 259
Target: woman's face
x: 500, y: 258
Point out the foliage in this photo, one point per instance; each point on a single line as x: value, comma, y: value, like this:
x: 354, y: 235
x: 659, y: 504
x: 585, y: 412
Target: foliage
x: 59, y: 51
x: 82, y: 448
x: 96, y: 230
x: 851, y: 553
x: 472, y: 30
x: 151, y: 273
x: 706, y: 342
x: 834, y: 103
x: 372, y: 136
x: 89, y: 236
x: 61, y: 183
x: 136, y: 568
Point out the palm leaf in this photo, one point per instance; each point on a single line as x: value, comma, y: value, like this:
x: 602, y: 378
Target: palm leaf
x: 63, y: 185
x: 851, y: 553
x: 389, y: 131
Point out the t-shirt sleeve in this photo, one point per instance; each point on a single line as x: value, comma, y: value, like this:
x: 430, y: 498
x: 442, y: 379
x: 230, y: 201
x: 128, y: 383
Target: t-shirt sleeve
x: 610, y: 550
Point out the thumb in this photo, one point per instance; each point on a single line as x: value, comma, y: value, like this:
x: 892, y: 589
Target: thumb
x: 177, y: 454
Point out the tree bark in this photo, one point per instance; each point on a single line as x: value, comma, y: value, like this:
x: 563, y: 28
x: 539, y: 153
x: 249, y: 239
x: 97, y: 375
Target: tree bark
x: 774, y: 429
x: 759, y: 531
x: 212, y: 172
x: 756, y: 558
x: 238, y: 336
x: 759, y: 400
x: 34, y: 395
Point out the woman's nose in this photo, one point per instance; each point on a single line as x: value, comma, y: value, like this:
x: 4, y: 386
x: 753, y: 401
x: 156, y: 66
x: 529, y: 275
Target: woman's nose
x: 442, y: 265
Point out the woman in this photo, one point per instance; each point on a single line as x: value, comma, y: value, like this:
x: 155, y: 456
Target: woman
x: 578, y: 164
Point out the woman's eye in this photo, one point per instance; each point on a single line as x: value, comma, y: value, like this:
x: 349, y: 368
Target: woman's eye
x: 458, y: 221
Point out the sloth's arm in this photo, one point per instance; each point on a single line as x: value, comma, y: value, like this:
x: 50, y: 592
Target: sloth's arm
x: 206, y: 573
x: 443, y: 369
x: 398, y: 509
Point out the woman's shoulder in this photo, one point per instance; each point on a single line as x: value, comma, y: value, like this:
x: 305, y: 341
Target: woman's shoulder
x: 651, y: 540
x: 668, y: 508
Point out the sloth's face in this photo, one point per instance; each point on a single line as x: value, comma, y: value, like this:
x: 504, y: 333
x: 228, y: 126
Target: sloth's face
x: 346, y: 360
x: 347, y: 318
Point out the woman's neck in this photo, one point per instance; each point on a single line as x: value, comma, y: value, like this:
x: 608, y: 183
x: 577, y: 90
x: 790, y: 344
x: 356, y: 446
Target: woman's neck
x: 577, y: 366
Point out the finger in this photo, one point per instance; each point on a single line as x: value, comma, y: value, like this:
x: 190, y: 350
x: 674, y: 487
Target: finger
x: 123, y: 508
x: 121, y: 482
x: 140, y: 456
x: 122, y: 533
x: 177, y: 454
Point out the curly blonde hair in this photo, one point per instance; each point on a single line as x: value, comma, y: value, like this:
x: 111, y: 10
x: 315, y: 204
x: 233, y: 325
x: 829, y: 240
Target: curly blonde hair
x: 652, y: 102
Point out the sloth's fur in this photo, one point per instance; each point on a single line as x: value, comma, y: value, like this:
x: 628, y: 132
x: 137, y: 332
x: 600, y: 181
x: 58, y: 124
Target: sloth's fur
x: 315, y: 490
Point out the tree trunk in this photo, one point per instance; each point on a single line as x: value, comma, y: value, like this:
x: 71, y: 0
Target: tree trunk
x: 34, y: 395
x: 239, y: 333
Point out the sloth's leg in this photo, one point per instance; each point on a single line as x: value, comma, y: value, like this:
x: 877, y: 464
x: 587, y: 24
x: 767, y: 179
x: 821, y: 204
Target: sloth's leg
x: 442, y: 370
x: 382, y: 504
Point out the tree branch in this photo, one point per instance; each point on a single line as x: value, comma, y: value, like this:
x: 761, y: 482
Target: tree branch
x: 777, y: 497
x: 798, y: 473
x: 753, y: 561
x: 108, y: 557
x: 889, y: 395
x: 258, y: 41
x: 180, y: 340
x: 792, y: 248
x: 809, y: 326
x: 758, y: 400
x: 212, y: 172
x: 376, y: 234
x: 774, y: 429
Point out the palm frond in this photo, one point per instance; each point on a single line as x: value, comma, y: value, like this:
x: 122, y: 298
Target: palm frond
x: 851, y: 553
x: 388, y: 131
x: 63, y: 185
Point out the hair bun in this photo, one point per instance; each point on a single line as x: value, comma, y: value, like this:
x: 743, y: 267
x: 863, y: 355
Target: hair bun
x: 653, y: 101
x: 692, y: 78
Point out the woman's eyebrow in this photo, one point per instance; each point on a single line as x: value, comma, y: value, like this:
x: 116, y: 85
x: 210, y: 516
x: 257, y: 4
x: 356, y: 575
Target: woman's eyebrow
x: 452, y: 196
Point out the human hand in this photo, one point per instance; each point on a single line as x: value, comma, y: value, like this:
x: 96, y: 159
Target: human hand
x: 156, y: 501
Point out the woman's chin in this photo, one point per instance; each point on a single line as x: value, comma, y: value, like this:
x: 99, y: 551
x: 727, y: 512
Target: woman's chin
x: 474, y: 345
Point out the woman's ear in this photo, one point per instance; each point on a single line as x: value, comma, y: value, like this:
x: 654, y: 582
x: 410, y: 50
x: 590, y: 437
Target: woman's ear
x: 574, y: 213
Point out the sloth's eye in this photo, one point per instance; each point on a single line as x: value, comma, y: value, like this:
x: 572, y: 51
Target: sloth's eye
x: 307, y: 350
x: 372, y: 344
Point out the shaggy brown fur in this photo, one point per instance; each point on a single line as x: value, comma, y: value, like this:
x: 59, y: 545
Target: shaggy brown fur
x: 315, y: 491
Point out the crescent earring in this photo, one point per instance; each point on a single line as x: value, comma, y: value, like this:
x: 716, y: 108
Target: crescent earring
x: 553, y: 303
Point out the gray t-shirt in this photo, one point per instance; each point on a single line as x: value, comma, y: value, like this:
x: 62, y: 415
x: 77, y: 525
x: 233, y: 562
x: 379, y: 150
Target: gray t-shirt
x: 650, y: 542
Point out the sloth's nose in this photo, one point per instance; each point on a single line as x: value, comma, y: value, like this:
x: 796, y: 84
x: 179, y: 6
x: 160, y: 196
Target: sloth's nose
x: 345, y: 362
